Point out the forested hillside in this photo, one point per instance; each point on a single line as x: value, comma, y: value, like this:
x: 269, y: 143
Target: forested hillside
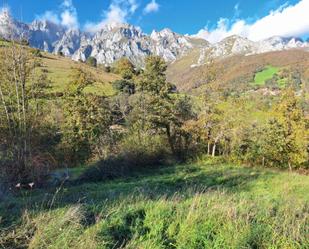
x: 241, y: 70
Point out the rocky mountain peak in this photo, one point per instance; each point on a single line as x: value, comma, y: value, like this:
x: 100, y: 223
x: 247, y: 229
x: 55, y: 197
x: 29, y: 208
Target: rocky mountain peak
x: 232, y: 45
x: 5, y: 15
x: 117, y: 40
x: 124, y: 29
x: 10, y: 28
x: 45, y: 26
x: 164, y: 33
x: 280, y: 43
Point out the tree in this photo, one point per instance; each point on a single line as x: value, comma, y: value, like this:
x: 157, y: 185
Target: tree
x: 272, y: 147
x: 92, y: 61
x: 158, y: 108
x: 124, y: 86
x: 125, y: 68
x: 87, y: 118
x: 291, y: 117
x: 20, y: 114
x: 153, y: 79
x: 283, y: 140
x: 211, y: 126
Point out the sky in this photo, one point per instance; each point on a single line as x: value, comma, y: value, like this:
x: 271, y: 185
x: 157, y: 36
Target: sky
x: 211, y: 20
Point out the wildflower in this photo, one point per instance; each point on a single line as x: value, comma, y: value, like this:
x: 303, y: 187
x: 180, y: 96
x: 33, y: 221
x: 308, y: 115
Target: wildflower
x: 31, y: 184
x: 18, y: 185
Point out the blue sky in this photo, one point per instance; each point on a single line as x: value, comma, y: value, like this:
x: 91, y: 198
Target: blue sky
x: 212, y: 19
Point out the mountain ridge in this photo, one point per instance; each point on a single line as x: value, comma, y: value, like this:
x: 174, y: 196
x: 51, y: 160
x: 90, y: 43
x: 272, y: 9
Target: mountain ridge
x: 118, y: 40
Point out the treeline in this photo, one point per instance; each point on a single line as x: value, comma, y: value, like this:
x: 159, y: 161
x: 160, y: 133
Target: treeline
x: 145, y: 124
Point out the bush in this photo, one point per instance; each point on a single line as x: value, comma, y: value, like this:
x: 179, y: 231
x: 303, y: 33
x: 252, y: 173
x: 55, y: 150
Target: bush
x: 24, y: 42
x: 37, y: 53
x: 136, y: 155
x: 209, y: 160
x: 125, y: 68
x: 107, y: 69
x: 124, y: 86
x: 91, y: 61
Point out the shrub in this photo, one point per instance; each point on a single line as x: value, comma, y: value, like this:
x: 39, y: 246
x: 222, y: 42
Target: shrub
x: 107, y: 69
x: 92, y: 61
x: 37, y: 53
x: 136, y: 155
x: 24, y: 42
x: 124, y: 86
x: 125, y: 68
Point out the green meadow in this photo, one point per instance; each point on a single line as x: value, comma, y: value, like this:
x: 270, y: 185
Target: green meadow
x: 264, y: 75
x: 202, y: 205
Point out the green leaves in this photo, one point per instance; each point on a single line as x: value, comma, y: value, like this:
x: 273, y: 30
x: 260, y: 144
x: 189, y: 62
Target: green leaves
x: 125, y: 68
x: 87, y: 117
x: 153, y: 79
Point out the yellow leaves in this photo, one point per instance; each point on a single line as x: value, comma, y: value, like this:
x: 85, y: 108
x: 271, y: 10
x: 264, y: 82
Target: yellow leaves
x: 125, y: 68
x: 81, y: 79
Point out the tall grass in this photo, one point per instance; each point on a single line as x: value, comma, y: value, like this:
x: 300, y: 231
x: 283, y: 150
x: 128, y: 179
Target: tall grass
x: 218, y: 206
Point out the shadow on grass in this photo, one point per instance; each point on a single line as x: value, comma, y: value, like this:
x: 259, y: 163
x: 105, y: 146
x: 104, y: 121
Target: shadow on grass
x: 152, y: 184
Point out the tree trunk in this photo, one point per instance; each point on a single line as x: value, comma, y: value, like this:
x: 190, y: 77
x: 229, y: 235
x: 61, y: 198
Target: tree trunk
x: 214, y: 150
x: 170, y: 139
x: 5, y: 109
x: 290, y: 166
x: 215, y: 145
x: 208, y: 148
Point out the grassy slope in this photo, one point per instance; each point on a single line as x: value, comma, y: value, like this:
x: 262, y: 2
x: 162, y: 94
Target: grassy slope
x: 188, y: 206
x: 264, y: 75
x: 59, y: 70
x: 234, y: 68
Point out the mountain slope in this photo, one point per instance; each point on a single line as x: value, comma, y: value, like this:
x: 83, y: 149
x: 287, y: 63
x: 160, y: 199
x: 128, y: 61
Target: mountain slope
x: 111, y: 43
x: 59, y: 71
x: 115, y: 41
x: 237, y: 68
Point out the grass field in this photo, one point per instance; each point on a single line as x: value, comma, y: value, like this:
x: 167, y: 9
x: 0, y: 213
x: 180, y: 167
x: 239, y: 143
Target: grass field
x: 264, y: 75
x: 59, y: 71
x: 185, y: 206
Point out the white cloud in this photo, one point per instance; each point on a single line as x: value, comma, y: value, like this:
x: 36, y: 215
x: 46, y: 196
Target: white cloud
x: 49, y: 16
x: 133, y: 6
x: 287, y: 20
x: 67, y: 4
x: 69, y: 15
x: 153, y: 6
x: 66, y: 15
x: 119, y: 11
x: 69, y: 19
